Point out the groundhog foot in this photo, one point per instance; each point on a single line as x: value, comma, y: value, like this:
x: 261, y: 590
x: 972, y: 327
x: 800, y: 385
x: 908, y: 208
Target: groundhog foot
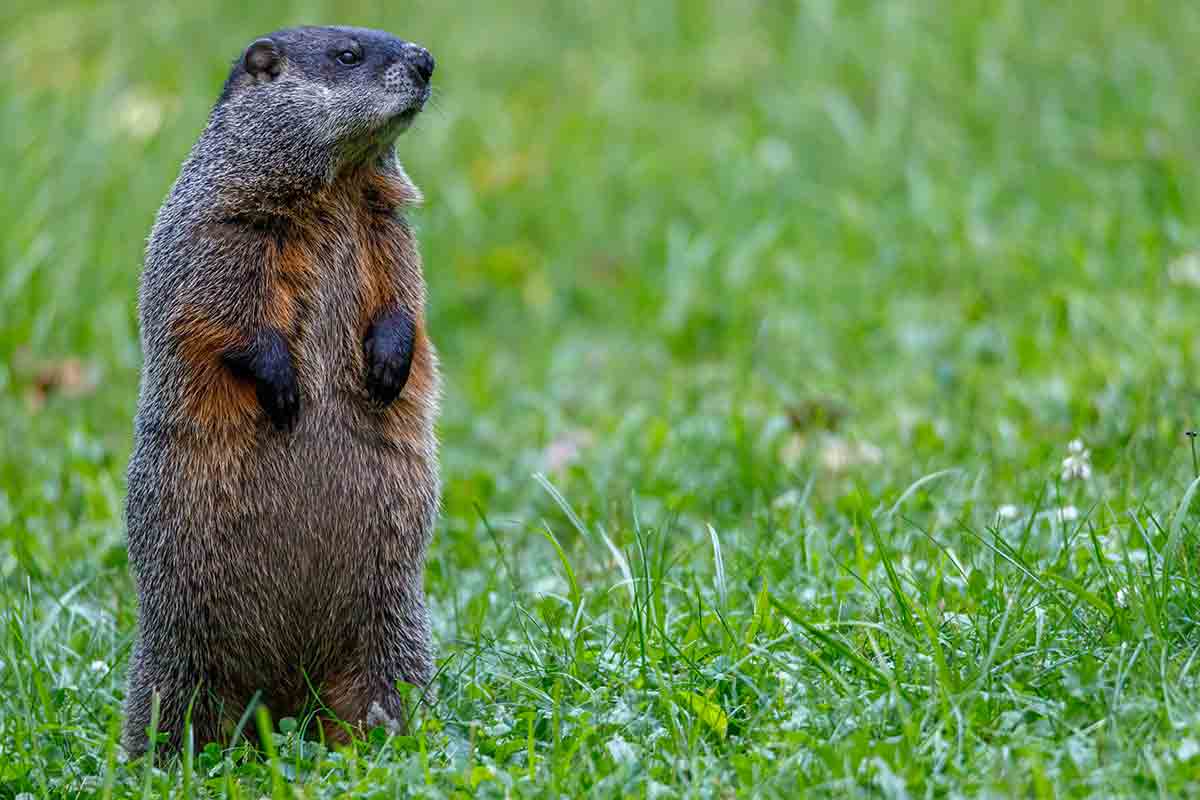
x: 378, y: 717
x: 268, y: 362
x: 388, y: 347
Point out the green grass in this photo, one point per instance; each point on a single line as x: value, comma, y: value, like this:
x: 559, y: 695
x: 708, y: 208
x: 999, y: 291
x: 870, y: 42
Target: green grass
x: 796, y: 307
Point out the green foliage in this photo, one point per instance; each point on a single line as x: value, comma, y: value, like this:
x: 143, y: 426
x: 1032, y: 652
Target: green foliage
x: 795, y: 307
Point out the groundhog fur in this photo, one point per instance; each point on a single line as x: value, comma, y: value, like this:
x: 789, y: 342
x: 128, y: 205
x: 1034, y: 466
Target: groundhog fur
x: 284, y: 482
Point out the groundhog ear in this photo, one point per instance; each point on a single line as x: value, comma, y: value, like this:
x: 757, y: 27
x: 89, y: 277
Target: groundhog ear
x: 262, y: 59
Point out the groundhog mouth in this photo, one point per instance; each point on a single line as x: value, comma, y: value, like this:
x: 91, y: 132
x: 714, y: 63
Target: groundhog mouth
x: 396, y: 123
x: 421, y: 99
x: 400, y: 121
x: 409, y: 111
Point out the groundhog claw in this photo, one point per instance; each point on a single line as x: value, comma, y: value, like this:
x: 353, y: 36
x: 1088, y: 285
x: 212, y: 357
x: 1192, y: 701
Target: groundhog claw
x: 279, y: 395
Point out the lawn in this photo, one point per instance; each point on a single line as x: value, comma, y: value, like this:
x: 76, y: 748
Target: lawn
x: 817, y: 380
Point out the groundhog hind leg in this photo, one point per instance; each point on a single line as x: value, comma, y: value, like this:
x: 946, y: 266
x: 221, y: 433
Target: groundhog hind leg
x: 182, y: 697
x: 396, y: 650
x: 363, y: 693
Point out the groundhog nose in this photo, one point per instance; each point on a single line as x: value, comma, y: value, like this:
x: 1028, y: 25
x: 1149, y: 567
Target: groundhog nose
x: 421, y: 61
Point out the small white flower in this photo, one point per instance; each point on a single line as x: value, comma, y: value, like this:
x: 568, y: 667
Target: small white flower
x: 774, y: 154
x: 1008, y: 511
x: 1188, y: 749
x: 1074, y: 469
x: 98, y: 667
x: 1185, y: 270
x: 138, y: 113
x: 1077, y: 465
x: 1122, y: 597
x: 1068, y: 514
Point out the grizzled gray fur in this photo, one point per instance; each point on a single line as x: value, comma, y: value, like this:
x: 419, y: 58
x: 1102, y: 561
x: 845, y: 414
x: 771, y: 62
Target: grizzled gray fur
x: 284, y: 481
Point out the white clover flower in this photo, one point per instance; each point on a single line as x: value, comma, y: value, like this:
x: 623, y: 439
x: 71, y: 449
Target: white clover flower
x: 1008, y: 511
x: 1078, y: 464
x: 1068, y: 514
x: 98, y: 667
x: 1073, y: 469
x: 138, y: 114
x: 1122, y: 597
x: 1185, y: 270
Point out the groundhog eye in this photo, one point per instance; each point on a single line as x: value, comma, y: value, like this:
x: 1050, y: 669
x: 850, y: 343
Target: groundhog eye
x: 349, y: 58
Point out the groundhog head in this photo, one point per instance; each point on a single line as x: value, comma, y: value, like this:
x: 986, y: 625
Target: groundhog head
x: 347, y: 91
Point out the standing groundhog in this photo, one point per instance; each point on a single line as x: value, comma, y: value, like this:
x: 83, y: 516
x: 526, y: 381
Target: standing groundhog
x: 284, y: 481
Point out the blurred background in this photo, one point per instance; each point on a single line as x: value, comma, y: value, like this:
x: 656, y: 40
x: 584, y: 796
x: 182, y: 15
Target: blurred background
x: 675, y: 232
x: 754, y: 265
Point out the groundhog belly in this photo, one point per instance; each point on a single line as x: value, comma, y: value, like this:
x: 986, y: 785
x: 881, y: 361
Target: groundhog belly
x: 283, y: 543
x: 338, y: 497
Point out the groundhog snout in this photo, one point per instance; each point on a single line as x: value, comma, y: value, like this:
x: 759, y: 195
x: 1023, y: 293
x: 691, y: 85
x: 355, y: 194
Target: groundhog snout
x: 410, y: 73
x: 421, y: 61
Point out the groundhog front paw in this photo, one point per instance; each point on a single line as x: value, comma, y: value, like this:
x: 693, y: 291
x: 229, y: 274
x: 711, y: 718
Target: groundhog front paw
x: 279, y: 395
x: 268, y: 363
x: 388, y: 348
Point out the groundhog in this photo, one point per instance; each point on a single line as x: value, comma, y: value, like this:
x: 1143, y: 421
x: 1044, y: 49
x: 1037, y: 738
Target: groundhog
x: 283, y: 484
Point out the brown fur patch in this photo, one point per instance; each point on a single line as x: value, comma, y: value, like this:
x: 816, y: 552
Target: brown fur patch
x: 375, y: 289
x: 422, y: 379
x: 381, y: 240
x: 389, y: 276
x: 212, y: 396
x: 384, y: 193
x: 292, y: 274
